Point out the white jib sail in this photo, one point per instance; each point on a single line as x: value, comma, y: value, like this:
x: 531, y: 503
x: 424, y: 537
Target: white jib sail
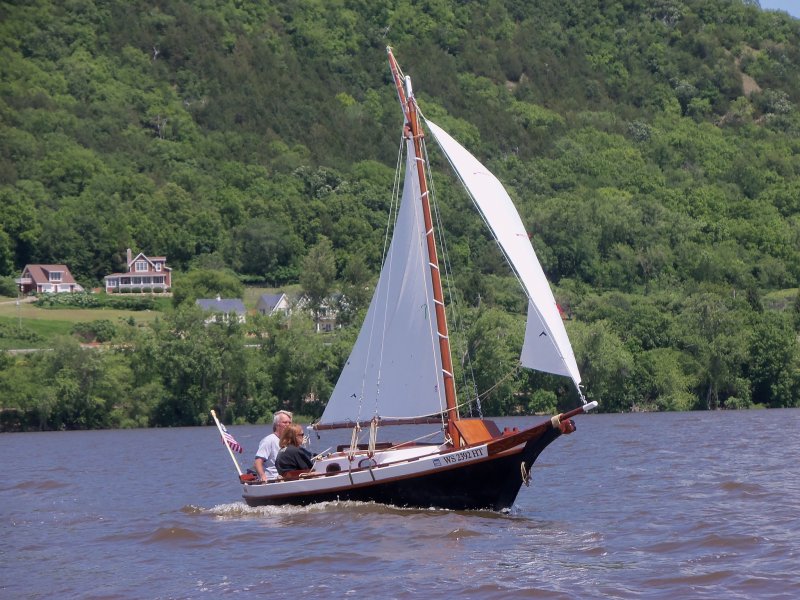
x: 394, y: 369
x: 546, y: 347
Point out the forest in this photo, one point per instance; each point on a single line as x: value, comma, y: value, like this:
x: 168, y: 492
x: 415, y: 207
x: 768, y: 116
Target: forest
x: 652, y: 147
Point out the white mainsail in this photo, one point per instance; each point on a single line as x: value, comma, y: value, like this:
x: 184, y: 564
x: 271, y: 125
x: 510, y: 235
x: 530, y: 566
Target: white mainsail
x: 546, y: 347
x: 394, y: 369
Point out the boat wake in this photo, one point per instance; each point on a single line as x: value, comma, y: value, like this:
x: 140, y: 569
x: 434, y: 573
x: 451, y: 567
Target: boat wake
x: 236, y: 510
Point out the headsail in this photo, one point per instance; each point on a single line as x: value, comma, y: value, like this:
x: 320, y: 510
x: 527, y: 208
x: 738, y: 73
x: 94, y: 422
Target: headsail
x: 546, y: 347
x: 394, y: 369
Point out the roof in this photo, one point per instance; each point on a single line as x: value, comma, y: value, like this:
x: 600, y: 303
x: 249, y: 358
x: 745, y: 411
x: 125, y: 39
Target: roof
x: 222, y: 305
x: 270, y: 300
x: 150, y: 262
x: 39, y: 273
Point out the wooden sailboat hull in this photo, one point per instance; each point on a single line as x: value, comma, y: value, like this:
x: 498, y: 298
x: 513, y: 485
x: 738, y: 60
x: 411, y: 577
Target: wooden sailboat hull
x: 490, y: 483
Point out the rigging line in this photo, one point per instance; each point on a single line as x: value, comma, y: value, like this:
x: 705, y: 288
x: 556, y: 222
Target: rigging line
x: 396, y: 200
x: 391, y: 216
x: 454, y: 302
x: 444, y: 411
x: 501, y: 380
x: 433, y: 332
x: 480, y: 212
x: 437, y: 234
x: 422, y: 437
x: 513, y: 270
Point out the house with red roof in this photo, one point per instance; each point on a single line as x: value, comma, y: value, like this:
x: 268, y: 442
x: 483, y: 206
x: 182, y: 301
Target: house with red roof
x: 144, y: 274
x: 47, y: 279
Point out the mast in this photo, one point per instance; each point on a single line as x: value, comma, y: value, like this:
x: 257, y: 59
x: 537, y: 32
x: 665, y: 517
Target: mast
x: 414, y: 132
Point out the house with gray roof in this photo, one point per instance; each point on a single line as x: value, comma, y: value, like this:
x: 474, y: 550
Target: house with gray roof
x: 274, y: 304
x: 223, y: 310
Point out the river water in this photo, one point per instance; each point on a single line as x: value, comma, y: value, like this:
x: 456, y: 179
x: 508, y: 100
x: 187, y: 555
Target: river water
x: 674, y: 505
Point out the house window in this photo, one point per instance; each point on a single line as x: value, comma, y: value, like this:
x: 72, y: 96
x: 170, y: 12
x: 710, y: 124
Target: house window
x: 158, y: 280
x: 55, y: 276
x: 141, y: 265
x: 112, y: 283
x: 137, y: 281
x: 158, y: 267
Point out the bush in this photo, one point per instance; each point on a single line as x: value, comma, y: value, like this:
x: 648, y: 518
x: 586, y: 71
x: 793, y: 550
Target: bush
x: 15, y: 332
x: 76, y: 300
x: 101, y: 331
x: 8, y: 287
x: 84, y: 300
x: 131, y: 303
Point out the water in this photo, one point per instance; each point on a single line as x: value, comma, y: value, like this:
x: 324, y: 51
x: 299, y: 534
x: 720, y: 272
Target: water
x: 690, y: 505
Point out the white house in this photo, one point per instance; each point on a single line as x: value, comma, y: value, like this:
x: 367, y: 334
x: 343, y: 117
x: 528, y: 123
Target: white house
x: 274, y: 304
x: 223, y: 310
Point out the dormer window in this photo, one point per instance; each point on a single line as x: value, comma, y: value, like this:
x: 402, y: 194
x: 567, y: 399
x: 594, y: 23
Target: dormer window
x: 158, y: 266
x: 54, y: 276
x: 141, y: 265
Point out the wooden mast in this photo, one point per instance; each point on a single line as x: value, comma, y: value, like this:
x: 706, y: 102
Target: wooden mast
x: 414, y: 131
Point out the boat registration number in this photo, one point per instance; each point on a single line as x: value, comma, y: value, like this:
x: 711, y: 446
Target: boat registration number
x: 458, y: 457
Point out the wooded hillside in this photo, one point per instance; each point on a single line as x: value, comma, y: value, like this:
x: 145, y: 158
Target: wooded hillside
x: 653, y: 148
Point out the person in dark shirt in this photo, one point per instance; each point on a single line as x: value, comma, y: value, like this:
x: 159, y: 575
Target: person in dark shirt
x: 292, y: 457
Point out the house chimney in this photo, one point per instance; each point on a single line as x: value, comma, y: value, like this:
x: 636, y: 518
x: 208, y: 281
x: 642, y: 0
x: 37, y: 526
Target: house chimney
x: 129, y: 255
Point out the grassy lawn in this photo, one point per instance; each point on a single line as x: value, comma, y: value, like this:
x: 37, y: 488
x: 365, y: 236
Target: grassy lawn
x: 47, y: 323
x: 73, y: 315
x: 43, y: 333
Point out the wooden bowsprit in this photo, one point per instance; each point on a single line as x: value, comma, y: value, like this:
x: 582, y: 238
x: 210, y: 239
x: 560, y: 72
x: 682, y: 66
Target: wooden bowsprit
x: 515, y: 439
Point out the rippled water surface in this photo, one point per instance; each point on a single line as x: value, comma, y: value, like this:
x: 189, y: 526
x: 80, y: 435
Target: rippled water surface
x: 686, y: 505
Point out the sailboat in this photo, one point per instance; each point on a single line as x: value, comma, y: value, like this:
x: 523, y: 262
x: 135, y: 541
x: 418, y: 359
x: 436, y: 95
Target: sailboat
x: 400, y: 370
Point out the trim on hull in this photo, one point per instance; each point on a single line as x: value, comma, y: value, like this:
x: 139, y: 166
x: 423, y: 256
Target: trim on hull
x: 489, y: 484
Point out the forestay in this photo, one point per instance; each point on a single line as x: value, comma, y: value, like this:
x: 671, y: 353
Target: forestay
x: 546, y: 347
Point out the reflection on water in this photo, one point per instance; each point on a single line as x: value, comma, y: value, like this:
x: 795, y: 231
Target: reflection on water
x: 700, y: 505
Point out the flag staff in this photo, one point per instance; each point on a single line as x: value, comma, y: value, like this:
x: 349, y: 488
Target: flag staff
x: 225, y: 442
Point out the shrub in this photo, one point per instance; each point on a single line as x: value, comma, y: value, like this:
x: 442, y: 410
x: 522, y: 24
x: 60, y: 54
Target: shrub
x: 76, y: 300
x: 8, y: 287
x: 101, y: 330
x: 16, y: 332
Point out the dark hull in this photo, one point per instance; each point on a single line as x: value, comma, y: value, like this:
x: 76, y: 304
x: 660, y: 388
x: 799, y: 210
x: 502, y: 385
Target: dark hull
x: 492, y: 484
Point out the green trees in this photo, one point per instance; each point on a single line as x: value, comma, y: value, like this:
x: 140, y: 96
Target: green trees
x: 772, y: 368
x: 171, y: 374
x: 201, y: 366
x: 652, y: 149
x: 318, y: 275
x: 493, y: 346
x: 203, y: 283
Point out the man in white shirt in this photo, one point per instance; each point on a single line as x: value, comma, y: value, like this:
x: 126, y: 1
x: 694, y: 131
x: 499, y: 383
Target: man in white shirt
x: 269, y: 446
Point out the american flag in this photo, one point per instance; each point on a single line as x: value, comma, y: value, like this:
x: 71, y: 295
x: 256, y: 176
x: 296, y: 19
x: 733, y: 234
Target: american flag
x: 235, y: 446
